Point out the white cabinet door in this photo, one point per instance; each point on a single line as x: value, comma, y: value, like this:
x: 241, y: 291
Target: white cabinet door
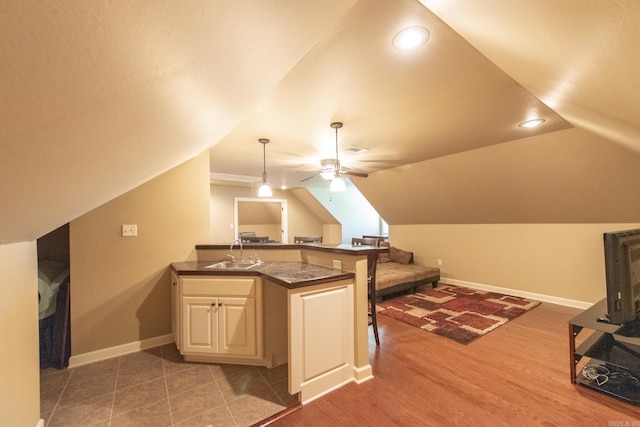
x: 237, y: 326
x: 200, y: 324
x: 320, y: 338
x: 220, y: 318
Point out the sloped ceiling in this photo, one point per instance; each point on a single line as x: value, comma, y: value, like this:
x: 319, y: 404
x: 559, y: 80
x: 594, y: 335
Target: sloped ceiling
x: 578, y: 57
x: 402, y: 107
x: 99, y: 97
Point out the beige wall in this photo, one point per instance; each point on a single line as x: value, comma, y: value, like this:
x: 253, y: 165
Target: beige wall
x: 525, y: 215
x: 120, y: 285
x: 567, y: 177
x: 305, y: 218
x: 332, y: 234
x: 263, y: 218
x: 559, y: 260
x: 19, y: 357
x: 331, y: 230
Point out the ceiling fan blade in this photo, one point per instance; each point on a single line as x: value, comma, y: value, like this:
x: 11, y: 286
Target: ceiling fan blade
x: 309, y: 177
x: 360, y: 174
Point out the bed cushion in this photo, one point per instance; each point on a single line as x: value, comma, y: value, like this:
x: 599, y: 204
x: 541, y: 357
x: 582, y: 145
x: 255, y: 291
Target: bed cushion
x: 392, y: 273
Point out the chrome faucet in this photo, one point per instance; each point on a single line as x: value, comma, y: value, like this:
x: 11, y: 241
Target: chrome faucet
x: 231, y: 250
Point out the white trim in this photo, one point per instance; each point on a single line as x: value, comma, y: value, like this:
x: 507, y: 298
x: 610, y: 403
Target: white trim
x: 524, y: 294
x: 119, y: 350
x: 362, y: 374
x: 40, y: 423
x: 304, y: 399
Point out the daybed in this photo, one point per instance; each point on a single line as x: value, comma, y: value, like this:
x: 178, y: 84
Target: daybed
x: 396, y: 272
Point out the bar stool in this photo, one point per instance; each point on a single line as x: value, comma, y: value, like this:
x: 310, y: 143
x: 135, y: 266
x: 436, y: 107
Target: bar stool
x: 372, y: 262
x: 307, y: 239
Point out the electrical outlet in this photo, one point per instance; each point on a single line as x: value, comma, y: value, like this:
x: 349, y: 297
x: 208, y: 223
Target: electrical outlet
x: 129, y: 230
x: 439, y: 261
x: 337, y: 264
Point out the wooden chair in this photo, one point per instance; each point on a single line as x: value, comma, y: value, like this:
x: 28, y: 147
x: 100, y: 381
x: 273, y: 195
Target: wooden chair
x: 307, y: 239
x: 372, y: 263
x: 255, y: 239
x: 380, y: 238
x: 362, y: 241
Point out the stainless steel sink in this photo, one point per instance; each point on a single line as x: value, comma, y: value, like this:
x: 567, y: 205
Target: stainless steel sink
x: 243, y: 265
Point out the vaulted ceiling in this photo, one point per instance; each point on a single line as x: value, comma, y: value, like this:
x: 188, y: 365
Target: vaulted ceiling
x: 99, y: 97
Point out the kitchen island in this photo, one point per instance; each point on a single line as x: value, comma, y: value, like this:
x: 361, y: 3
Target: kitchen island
x: 305, y: 305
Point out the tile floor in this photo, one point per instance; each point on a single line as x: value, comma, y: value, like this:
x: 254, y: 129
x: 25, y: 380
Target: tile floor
x: 157, y: 387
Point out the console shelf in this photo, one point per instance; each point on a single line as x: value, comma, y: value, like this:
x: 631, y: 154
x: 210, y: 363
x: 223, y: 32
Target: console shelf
x: 612, y: 355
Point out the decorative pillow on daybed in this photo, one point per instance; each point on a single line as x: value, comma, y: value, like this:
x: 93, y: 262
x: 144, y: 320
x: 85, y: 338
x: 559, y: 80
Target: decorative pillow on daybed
x: 385, y: 256
x: 400, y: 256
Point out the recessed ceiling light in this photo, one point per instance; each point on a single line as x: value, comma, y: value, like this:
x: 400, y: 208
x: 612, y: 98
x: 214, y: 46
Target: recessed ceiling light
x: 411, y: 38
x: 531, y: 123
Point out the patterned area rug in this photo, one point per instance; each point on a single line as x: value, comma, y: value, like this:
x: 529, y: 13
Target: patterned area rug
x: 454, y: 312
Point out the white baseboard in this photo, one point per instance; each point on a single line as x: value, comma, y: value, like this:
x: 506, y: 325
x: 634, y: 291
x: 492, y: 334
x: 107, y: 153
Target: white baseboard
x: 530, y: 295
x: 363, y: 373
x: 40, y: 423
x: 119, y: 350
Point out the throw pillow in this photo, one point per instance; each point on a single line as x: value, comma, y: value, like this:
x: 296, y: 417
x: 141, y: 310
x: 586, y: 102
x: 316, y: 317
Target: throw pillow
x: 400, y: 256
x: 385, y: 256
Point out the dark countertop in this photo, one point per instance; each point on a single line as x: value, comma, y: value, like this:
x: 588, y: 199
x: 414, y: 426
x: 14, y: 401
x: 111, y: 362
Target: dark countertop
x: 290, y: 274
x: 337, y: 249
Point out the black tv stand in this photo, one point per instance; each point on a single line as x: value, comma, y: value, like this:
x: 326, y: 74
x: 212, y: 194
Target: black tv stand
x: 611, y: 363
x: 627, y: 349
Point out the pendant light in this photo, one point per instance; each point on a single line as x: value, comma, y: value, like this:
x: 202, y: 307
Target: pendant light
x: 337, y: 183
x: 265, y: 190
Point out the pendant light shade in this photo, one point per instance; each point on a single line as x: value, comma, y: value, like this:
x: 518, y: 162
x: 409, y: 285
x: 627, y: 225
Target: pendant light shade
x: 337, y: 183
x: 265, y: 190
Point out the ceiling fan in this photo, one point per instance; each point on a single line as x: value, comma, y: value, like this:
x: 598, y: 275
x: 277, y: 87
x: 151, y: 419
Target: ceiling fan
x: 331, y: 170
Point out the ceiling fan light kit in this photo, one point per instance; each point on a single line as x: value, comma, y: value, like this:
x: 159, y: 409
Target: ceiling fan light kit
x: 337, y: 184
x: 328, y: 174
x: 330, y: 169
x: 265, y: 190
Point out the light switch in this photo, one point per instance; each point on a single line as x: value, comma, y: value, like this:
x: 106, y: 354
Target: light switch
x: 129, y: 230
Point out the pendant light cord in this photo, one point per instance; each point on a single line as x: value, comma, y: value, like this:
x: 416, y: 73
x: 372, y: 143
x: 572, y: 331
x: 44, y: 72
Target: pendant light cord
x: 264, y: 162
x: 264, y: 143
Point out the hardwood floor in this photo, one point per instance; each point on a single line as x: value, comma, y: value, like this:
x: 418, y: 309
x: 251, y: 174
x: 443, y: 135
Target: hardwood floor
x: 515, y: 375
